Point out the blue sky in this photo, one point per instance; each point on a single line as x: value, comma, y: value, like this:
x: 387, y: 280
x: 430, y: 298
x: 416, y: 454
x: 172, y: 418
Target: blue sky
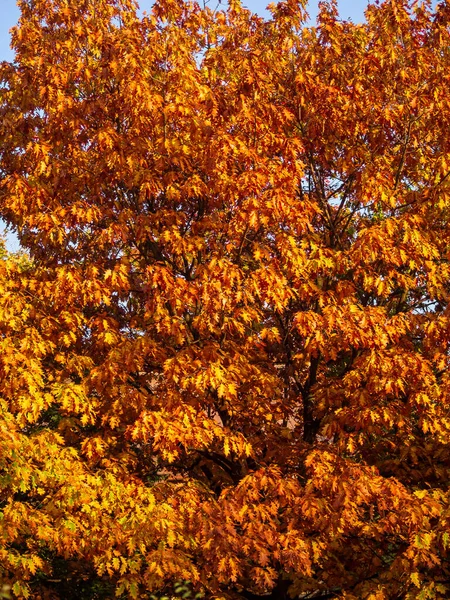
x: 9, y: 14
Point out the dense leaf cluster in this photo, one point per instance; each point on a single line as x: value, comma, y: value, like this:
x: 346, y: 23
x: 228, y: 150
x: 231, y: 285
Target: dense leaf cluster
x: 224, y: 355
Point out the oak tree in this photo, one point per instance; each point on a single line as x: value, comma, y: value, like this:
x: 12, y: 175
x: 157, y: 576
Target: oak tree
x: 225, y: 345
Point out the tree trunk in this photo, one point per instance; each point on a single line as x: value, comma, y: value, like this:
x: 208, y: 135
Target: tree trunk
x: 279, y: 592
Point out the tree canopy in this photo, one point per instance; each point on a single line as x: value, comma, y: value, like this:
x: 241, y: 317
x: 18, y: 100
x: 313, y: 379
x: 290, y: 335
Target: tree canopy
x: 225, y: 345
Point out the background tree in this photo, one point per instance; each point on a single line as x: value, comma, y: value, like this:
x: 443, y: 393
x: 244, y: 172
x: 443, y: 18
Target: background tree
x: 225, y: 359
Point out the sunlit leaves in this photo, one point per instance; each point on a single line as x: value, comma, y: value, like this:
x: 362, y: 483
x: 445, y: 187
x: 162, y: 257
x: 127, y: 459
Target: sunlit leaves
x: 225, y: 353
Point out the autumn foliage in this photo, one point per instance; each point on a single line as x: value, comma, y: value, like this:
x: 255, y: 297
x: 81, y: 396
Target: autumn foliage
x: 225, y: 348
